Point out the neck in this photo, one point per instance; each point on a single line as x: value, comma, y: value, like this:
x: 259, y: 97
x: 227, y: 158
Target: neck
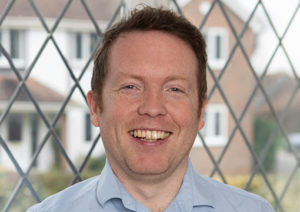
x: 148, y: 189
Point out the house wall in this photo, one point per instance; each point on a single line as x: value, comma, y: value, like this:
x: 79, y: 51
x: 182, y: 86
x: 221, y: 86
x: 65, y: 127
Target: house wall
x: 77, y: 145
x: 49, y: 69
x: 237, y: 84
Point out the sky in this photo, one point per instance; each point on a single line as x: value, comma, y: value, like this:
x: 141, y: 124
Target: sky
x: 280, y: 11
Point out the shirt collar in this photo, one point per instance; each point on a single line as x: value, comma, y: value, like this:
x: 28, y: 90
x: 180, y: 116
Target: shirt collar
x: 109, y: 187
x: 194, y: 190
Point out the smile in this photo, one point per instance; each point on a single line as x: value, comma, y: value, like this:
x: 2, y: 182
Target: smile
x: 149, y: 135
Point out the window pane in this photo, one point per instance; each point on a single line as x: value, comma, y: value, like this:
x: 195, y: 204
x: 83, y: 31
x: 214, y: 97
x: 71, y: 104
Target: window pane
x: 14, y: 43
x: 0, y: 42
x: 218, y: 47
x: 34, y: 135
x: 88, y: 127
x: 217, y: 123
x: 14, y: 127
x: 93, y: 41
x: 78, y: 45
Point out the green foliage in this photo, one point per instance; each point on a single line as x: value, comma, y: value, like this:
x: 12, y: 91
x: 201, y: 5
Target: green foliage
x: 58, y: 179
x: 263, y: 127
x: 240, y: 181
x: 55, y: 180
x: 57, y: 155
x: 96, y: 163
x: 94, y: 166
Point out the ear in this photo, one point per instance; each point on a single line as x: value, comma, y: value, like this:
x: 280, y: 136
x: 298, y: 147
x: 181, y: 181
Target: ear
x: 94, y: 109
x: 201, y: 119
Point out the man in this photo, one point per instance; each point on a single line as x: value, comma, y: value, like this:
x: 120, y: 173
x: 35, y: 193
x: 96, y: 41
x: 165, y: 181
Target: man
x: 148, y: 97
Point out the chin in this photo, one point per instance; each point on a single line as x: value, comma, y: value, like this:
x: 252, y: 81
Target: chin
x: 149, y: 167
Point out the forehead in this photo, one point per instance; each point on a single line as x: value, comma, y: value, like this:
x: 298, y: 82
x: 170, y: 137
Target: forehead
x: 151, y: 51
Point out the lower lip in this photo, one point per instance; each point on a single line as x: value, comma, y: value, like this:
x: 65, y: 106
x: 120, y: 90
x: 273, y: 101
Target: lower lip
x: 149, y: 143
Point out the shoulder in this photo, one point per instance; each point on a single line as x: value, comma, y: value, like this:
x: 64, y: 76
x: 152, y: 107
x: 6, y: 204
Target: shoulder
x: 80, y: 193
x: 226, y: 196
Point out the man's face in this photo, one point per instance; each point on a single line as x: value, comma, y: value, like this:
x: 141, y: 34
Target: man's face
x: 150, y: 104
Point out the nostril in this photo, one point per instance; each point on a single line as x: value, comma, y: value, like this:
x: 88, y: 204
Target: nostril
x: 152, y: 106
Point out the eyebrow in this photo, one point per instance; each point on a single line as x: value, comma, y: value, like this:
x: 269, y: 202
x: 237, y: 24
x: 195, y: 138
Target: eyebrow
x: 169, y: 78
x: 175, y: 77
x: 123, y: 74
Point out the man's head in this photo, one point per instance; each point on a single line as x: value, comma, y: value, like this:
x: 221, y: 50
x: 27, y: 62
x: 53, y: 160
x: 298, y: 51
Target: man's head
x: 149, y: 80
x: 149, y: 19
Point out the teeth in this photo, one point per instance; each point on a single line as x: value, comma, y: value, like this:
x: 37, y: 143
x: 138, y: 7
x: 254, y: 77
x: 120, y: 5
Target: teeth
x: 149, y: 135
x: 154, y: 135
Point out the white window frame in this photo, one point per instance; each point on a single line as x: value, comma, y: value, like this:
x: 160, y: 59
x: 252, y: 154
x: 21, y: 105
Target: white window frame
x: 19, y: 61
x: 209, y: 129
x: 210, y: 35
x: 86, y: 42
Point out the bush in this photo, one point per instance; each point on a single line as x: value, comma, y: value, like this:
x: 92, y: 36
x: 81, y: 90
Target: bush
x: 58, y: 179
x: 240, y: 181
x: 263, y: 127
x: 96, y: 163
x: 54, y: 181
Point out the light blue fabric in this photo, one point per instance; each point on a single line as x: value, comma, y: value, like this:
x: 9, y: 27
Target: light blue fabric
x: 197, y: 194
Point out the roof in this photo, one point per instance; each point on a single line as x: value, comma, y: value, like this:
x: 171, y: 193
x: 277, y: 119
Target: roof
x: 100, y: 9
x: 239, y: 8
x: 279, y: 88
x: 8, y: 84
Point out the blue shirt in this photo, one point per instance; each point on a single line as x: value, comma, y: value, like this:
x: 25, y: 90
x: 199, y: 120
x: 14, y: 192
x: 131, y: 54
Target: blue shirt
x: 197, y: 194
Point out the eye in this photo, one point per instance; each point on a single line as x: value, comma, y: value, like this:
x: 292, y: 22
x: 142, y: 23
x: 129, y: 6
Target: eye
x: 129, y: 87
x: 175, y: 89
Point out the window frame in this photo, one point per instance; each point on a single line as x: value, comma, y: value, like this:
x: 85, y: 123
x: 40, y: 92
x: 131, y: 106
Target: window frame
x: 6, y: 39
x: 210, y: 35
x: 80, y: 54
x: 209, y: 129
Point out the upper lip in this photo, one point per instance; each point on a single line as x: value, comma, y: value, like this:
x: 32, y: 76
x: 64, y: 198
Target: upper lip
x: 150, y: 129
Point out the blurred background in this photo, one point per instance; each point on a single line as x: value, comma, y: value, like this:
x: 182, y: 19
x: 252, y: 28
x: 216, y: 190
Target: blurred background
x: 251, y: 139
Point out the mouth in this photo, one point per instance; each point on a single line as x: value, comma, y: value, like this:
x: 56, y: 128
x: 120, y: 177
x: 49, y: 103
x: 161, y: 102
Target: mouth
x: 150, y: 135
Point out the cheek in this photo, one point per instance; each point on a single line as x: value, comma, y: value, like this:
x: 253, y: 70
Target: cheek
x: 186, y: 115
x: 115, y: 112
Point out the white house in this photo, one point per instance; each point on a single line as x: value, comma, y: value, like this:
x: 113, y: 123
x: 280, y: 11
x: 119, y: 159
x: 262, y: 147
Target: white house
x: 23, y: 129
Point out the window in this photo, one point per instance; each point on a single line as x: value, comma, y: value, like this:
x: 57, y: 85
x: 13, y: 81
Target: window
x: 88, y: 127
x: 217, y: 46
x: 34, y: 134
x: 82, y: 45
x: 13, y: 41
x: 78, y: 45
x: 15, y: 51
x: 216, y: 125
x: 14, y: 127
x: 93, y: 41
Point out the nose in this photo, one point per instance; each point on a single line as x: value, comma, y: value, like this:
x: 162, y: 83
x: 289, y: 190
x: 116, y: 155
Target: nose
x: 152, y: 104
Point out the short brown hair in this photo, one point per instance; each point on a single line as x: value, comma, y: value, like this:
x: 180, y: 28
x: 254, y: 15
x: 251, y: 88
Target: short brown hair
x: 147, y: 19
